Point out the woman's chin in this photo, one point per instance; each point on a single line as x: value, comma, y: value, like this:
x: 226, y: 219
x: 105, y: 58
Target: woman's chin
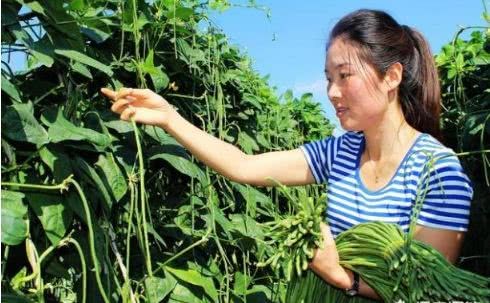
x: 349, y: 127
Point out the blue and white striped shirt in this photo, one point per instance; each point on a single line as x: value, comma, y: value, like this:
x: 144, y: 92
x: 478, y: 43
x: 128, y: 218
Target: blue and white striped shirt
x: 335, y: 161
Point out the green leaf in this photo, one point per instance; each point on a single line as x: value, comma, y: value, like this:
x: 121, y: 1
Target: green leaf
x: 182, y: 294
x: 10, y: 89
x: 62, y: 27
x: 195, y: 278
x: 77, y: 5
x: 92, y: 177
x: 43, y: 51
x: 253, y: 100
x: 120, y: 126
x: 219, y: 217
x: 158, y: 288
x: 81, y: 69
x: 219, y: 5
x: 19, y: 124
x: 72, y: 199
x: 57, y: 161
x: 247, y: 143
x: 82, y: 58
x: 54, y: 216
x: 158, y: 77
x: 258, y: 293
x: 113, y: 175
x: 62, y: 130
x: 182, y: 165
x: 451, y: 73
x: 35, y: 6
x: 182, y: 13
x: 183, y: 219
x: 96, y: 30
x: 459, y: 62
x: 14, y: 218
x: 241, y: 283
x: 254, y: 197
x: 160, y: 135
x: 246, y: 226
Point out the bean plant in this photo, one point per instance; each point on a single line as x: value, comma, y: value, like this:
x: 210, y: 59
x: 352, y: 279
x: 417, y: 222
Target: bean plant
x: 95, y: 209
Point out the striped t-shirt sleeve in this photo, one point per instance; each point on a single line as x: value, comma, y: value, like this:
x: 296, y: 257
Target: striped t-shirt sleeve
x: 448, y: 198
x: 319, y: 155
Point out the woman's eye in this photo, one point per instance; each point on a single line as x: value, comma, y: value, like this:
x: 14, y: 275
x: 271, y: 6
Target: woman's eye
x: 344, y: 75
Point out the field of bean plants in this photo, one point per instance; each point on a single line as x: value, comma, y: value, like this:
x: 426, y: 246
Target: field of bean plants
x: 95, y: 209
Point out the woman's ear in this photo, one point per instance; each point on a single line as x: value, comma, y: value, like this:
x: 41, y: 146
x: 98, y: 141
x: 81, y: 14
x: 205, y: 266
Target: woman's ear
x: 393, y: 76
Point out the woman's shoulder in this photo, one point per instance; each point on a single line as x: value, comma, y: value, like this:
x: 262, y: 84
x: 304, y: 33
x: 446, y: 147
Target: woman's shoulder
x: 437, y: 159
x: 428, y: 146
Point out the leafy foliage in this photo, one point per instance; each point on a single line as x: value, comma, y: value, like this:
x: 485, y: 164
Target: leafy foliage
x: 186, y: 234
x: 464, y: 68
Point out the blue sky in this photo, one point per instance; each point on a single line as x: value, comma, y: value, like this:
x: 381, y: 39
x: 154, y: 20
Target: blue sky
x: 290, y: 47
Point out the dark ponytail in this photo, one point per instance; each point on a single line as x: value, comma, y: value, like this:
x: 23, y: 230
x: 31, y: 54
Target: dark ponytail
x: 383, y: 42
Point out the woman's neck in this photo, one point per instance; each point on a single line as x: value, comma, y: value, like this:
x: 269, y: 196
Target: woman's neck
x: 388, y: 137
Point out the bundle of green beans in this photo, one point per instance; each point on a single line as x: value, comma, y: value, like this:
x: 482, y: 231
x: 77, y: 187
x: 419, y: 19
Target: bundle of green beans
x: 400, y: 268
x: 296, y: 237
x: 395, y: 267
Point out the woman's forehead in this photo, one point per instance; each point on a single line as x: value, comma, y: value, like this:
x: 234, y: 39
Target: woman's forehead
x: 341, y: 54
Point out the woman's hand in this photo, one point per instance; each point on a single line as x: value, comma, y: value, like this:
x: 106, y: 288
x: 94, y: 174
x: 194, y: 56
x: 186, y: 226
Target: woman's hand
x: 325, y: 261
x: 143, y: 105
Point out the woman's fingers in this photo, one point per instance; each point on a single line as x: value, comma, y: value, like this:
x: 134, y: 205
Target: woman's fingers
x: 134, y: 93
x: 109, y: 93
x: 128, y: 113
x: 120, y: 105
x: 124, y: 92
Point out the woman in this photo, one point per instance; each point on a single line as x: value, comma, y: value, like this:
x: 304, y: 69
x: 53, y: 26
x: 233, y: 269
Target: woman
x: 383, y: 84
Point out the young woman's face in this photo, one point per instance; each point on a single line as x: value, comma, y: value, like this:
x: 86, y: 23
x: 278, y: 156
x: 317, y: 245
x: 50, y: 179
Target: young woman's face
x: 354, y: 88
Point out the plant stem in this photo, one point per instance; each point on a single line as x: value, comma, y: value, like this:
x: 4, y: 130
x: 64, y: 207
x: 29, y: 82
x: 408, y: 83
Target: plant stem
x: 91, y: 240
x: 84, y: 268
x: 204, y: 239
x: 143, y: 197
x: 4, y: 261
x: 130, y: 224
x: 62, y: 186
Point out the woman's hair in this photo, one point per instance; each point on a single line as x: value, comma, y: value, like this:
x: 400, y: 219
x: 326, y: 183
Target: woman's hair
x: 381, y: 42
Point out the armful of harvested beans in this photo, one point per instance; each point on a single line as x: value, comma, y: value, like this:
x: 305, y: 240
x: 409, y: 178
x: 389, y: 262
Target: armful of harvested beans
x: 396, y: 267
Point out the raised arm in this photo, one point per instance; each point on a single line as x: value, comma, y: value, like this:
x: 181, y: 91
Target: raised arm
x: 145, y: 106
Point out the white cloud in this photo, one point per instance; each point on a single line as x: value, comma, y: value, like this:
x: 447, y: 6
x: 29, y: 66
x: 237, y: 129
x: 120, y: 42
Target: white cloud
x: 318, y: 88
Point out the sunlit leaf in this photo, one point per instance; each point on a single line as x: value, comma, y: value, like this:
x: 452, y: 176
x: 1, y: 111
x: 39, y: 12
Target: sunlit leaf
x: 54, y: 216
x: 10, y: 89
x: 195, y: 278
x: 14, y: 218
x: 158, y: 288
x: 57, y: 161
x: 181, y: 164
x: 91, y: 176
x: 82, y: 58
x: 116, y: 181
x: 61, y: 130
x: 19, y: 124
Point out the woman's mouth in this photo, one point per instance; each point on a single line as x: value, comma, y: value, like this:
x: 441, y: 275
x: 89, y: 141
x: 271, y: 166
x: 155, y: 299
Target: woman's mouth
x: 341, y: 111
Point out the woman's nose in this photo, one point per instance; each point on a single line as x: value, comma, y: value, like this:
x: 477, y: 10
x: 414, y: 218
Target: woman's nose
x: 333, y: 91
